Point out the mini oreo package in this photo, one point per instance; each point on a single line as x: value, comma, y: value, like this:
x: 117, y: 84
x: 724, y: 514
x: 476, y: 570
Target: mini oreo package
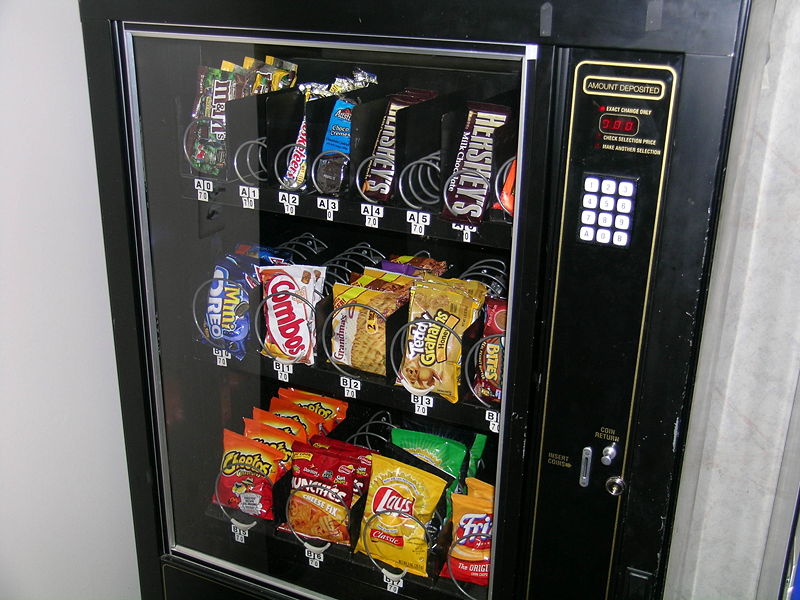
x: 226, y: 325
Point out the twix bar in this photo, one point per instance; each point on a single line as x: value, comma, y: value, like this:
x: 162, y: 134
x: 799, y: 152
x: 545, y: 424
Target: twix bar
x: 469, y: 185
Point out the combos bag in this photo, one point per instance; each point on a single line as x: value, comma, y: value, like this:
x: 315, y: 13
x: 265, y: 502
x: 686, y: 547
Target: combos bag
x: 323, y: 492
x: 489, y: 374
x: 432, y: 354
x: 392, y: 537
x: 359, y: 334
x: 332, y: 410
x: 470, y: 558
x: 290, y: 293
x: 290, y: 426
x: 246, y: 475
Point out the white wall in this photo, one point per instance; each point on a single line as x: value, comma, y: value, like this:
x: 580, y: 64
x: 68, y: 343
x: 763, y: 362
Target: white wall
x: 65, y: 518
x: 750, y: 352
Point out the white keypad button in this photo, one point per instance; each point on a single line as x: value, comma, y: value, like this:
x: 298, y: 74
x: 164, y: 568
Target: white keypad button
x: 589, y: 201
x: 609, y: 186
x: 603, y: 236
x: 625, y: 188
x: 622, y: 222
x: 620, y: 238
x: 605, y: 220
x: 587, y: 234
x: 624, y: 206
x: 588, y: 217
x: 606, y: 203
x: 591, y: 184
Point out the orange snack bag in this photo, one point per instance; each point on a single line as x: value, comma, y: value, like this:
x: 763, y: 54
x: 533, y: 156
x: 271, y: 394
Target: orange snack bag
x: 311, y: 421
x: 273, y: 437
x: 479, y: 489
x: 325, y: 406
x: 288, y: 425
x: 470, y: 558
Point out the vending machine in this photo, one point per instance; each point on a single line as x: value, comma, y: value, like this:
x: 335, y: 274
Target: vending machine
x: 407, y: 299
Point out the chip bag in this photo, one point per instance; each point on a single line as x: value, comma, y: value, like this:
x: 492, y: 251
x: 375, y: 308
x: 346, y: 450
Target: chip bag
x: 470, y: 558
x: 361, y: 456
x: 479, y: 489
x: 290, y: 426
x: 432, y: 355
x: 247, y: 473
x: 489, y: 374
x: 319, y: 508
x: 331, y: 409
x: 359, y: 334
x: 312, y: 422
x: 274, y: 438
x: 392, y: 537
x: 414, y: 265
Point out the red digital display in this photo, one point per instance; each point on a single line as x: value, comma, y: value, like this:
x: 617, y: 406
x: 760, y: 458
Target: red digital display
x: 619, y: 125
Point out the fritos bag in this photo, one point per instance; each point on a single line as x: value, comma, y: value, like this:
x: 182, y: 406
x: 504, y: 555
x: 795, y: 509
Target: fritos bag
x: 489, y: 374
x: 359, y: 334
x: 331, y: 409
x: 393, y: 538
x: 273, y: 437
x: 470, y: 559
x: 290, y: 332
x: 432, y: 355
x: 290, y: 426
x: 247, y: 472
x: 324, y: 484
x: 311, y: 421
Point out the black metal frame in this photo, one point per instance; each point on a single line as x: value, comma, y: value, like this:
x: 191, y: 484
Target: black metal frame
x: 712, y: 49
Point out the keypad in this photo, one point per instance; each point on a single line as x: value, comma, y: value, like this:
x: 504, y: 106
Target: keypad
x: 607, y: 207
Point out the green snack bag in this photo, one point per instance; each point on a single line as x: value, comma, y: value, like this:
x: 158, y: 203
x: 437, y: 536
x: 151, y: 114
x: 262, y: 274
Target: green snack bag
x: 475, y: 454
x: 444, y: 454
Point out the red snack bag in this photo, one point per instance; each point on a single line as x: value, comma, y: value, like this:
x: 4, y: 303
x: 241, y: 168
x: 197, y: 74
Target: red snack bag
x: 361, y: 456
x: 311, y: 421
x: 324, y: 406
x: 291, y: 426
x: 278, y: 439
x: 489, y: 373
x: 247, y: 473
x: 319, y: 509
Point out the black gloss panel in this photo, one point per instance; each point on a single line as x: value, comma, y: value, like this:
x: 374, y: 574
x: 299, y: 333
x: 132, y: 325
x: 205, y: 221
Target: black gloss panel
x: 602, y: 287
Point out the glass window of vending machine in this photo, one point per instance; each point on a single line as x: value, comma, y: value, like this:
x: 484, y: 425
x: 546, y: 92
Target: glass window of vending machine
x: 408, y: 307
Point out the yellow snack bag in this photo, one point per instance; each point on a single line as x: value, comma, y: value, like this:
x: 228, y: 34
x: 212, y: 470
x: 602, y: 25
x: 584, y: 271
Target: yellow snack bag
x: 479, y: 489
x: 432, y: 354
x: 393, y: 538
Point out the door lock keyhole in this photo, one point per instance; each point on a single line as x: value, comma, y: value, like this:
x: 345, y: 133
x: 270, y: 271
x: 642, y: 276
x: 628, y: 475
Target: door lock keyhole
x: 615, y: 485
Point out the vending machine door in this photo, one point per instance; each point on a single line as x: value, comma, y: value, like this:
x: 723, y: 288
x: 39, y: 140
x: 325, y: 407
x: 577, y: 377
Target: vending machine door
x: 328, y: 243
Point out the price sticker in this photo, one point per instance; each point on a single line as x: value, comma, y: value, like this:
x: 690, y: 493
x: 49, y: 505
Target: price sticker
x: 329, y: 205
x: 204, y: 188
x: 393, y: 585
x: 314, y: 559
x: 372, y: 214
x: 222, y: 357
x: 239, y: 535
x: 283, y: 370
x: 350, y: 386
x: 466, y: 231
x: 290, y: 202
x: 419, y: 221
x: 421, y: 404
x: 249, y: 195
x: 493, y: 417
